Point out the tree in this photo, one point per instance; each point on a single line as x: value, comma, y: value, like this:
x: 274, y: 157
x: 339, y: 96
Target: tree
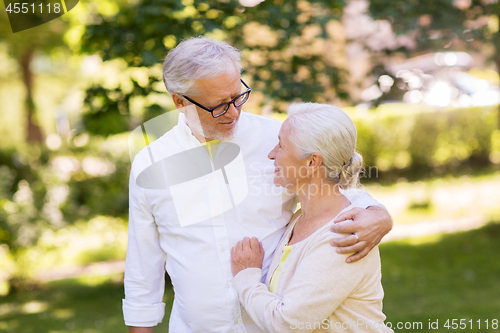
x: 444, y: 24
x: 284, y: 45
x: 23, y: 46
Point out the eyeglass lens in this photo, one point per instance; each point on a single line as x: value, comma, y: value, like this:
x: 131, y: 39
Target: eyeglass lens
x: 238, y: 102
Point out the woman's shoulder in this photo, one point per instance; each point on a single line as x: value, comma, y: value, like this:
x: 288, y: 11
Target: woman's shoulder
x: 320, y: 241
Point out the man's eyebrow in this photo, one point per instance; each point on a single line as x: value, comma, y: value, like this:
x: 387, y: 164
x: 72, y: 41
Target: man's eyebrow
x: 220, y: 101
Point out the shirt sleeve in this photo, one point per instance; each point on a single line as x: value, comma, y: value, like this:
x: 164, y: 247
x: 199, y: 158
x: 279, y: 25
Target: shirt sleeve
x: 145, y: 264
x: 361, y: 198
x: 321, y: 282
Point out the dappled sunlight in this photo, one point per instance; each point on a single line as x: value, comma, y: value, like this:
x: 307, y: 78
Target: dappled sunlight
x: 101, y: 238
x: 97, y: 167
x: 429, y: 239
x: 62, y: 313
x: 438, y: 199
x: 34, y: 307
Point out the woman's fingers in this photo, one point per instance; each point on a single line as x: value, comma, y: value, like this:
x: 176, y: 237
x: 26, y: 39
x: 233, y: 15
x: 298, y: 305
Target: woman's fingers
x: 254, y: 244
x: 248, y: 247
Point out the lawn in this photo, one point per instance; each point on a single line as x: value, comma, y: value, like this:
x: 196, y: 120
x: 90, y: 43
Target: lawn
x: 84, y: 305
x: 454, y: 276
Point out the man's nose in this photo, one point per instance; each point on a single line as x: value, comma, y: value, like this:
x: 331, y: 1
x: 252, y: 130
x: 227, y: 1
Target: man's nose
x: 232, y: 112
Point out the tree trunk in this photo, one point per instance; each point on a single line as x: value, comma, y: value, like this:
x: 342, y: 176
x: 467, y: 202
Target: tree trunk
x: 497, y: 60
x: 34, y: 133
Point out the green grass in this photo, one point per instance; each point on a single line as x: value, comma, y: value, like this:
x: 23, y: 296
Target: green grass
x: 84, y: 305
x: 454, y: 276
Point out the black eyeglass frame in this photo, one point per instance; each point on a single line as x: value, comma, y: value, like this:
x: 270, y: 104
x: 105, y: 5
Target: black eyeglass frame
x: 233, y: 101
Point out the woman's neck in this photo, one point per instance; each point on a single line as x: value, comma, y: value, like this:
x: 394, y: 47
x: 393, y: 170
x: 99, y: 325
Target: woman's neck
x: 319, y: 205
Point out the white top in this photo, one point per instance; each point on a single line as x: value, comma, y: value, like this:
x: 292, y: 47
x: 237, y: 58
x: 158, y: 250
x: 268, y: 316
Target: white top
x: 317, y: 290
x: 187, y: 212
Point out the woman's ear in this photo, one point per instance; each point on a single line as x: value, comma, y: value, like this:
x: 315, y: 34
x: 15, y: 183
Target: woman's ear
x: 314, y: 162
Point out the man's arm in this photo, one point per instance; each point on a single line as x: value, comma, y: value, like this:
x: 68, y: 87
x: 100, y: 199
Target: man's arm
x: 370, y: 226
x: 145, y: 266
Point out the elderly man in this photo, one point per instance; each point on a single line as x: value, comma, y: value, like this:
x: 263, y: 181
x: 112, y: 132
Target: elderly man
x: 203, y: 186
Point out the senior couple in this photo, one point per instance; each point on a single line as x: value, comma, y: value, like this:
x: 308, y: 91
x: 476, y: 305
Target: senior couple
x: 220, y: 216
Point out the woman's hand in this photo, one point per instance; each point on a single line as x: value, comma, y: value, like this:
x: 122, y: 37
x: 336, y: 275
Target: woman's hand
x: 247, y: 253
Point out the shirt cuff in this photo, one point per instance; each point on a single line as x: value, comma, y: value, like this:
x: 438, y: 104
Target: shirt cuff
x: 246, y: 277
x: 143, y: 315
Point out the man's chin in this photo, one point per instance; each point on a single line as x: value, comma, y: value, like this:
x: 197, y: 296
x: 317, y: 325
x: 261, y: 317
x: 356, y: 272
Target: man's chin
x: 226, y: 135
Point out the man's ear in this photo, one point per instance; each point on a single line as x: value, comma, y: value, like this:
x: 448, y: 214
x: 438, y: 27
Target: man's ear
x: 179, y: 101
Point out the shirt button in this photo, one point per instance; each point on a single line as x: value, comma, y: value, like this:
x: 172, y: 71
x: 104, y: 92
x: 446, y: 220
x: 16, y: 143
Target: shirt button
x: 236, y: 321
x: 222, y: 249
x: 228, y: 285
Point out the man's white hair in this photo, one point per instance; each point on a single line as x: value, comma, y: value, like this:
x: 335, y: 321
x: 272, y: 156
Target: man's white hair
x: 197, y: 58
x: 329, y: 131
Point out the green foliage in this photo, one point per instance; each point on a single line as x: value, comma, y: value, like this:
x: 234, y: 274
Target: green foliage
x: 438, y: 23
x: 107, y: 112
x: 104, y: 195
x: 22, y: 196
x: 420, y: 142
x: 283, y: 45
x: 44, y: 190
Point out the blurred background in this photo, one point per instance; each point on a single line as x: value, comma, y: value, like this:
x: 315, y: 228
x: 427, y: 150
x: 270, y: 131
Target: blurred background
x: 419, y: 78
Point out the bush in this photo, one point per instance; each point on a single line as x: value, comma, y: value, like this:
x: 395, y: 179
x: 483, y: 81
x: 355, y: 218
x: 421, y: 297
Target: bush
x: 427, y: 141
x: 44, y: 190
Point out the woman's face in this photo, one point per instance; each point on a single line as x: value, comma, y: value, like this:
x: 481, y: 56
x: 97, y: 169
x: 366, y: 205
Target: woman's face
x: 289, y: 171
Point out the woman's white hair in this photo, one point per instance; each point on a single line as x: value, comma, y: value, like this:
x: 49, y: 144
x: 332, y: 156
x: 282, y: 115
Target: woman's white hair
x: 197, y: 58
x: 330, y: 132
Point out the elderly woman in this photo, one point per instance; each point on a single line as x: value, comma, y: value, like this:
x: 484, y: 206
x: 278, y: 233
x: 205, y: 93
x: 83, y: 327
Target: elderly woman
x: 309, y: 286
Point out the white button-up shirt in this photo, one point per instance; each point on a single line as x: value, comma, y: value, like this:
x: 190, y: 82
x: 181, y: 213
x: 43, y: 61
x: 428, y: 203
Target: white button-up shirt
x: 187, y: 212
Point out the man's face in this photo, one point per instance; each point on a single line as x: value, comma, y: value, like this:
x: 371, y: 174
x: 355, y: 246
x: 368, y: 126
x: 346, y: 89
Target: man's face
x: 210, y: 93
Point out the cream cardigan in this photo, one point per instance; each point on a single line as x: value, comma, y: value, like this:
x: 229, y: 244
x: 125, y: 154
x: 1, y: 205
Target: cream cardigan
x: 317, y: 290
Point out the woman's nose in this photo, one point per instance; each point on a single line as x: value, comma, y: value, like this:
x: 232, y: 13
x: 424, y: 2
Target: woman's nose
x: 272, y: 153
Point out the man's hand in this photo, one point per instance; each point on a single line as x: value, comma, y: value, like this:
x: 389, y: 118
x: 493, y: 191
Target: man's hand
x: 133, y: 329
x: 369, y: 225
x: 247, y: 253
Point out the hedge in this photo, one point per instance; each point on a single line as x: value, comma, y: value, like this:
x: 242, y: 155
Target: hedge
x: 423, y: 140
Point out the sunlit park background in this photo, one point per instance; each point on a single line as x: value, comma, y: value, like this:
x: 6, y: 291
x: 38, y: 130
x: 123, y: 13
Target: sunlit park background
x: 419, y: 78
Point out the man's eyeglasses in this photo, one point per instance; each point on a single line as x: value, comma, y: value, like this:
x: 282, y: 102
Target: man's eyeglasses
x: 221, y: 109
